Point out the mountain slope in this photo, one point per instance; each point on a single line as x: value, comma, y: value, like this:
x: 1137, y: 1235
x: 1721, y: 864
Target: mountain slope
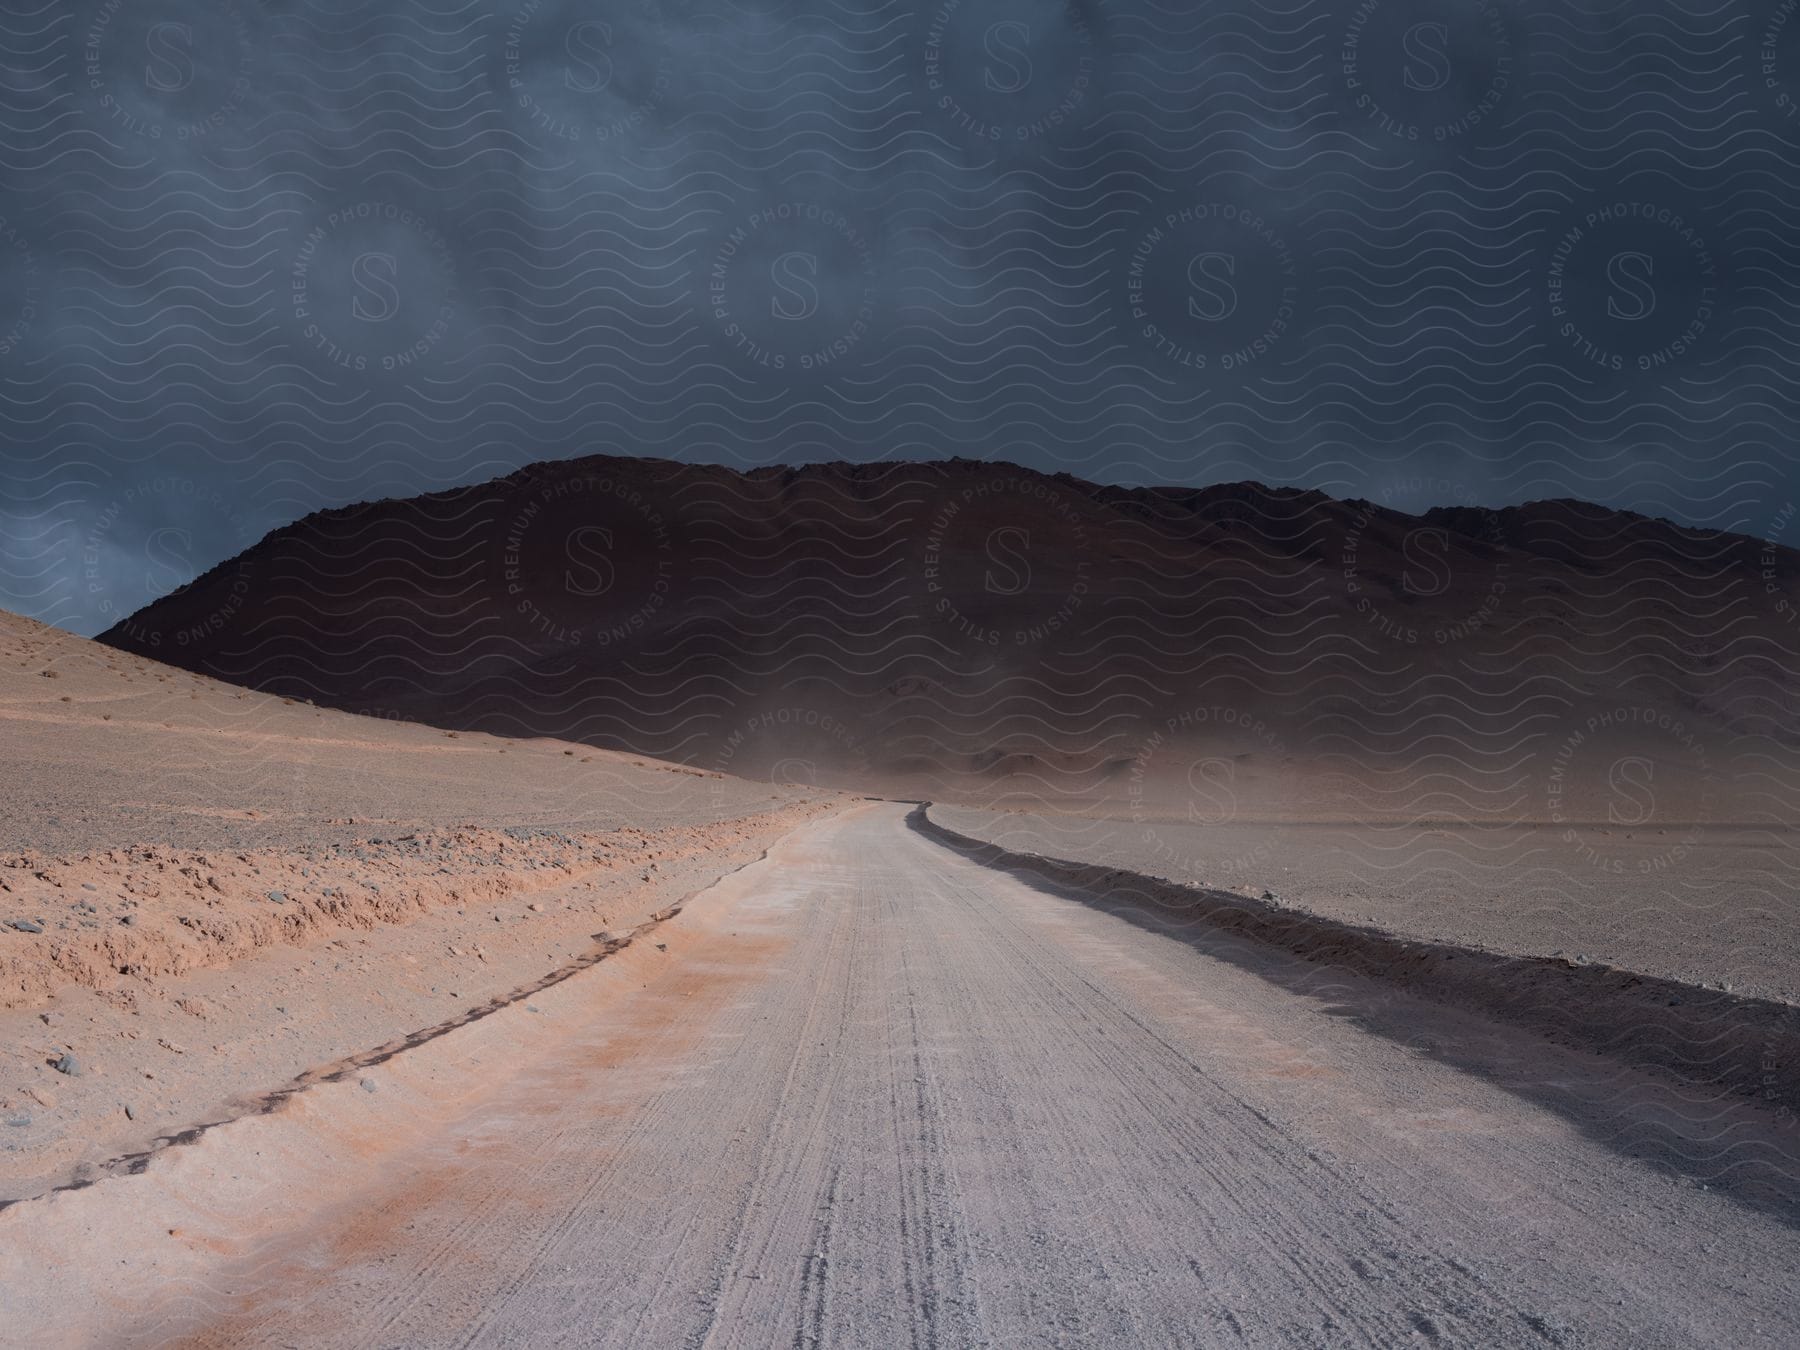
x: 986, y: 631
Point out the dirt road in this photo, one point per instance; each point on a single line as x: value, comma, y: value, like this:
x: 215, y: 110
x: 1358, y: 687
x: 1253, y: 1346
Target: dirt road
x: 879, y: 1095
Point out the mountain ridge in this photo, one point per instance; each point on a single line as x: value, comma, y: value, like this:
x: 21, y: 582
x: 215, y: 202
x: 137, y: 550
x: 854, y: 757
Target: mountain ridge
x: 976, y: 627
x: 1530, y: 509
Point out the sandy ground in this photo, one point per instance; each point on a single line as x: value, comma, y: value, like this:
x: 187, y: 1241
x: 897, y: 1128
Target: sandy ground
x: 870, y: 1092
x: 323, y: 1029
x: 1715, y: 905
x: 206, y: 891
x: 107, y: 750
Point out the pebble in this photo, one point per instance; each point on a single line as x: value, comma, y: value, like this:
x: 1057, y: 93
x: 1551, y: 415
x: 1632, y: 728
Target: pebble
x: 68, y: 1065
x: 369, y: 1085
x: 18, y: 1122
x: 279, y: 897
x: 25, y: 926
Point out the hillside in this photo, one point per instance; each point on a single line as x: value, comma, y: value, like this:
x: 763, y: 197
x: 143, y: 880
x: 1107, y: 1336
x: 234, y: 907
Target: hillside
x: 993, y: 634
x: 206, y: 890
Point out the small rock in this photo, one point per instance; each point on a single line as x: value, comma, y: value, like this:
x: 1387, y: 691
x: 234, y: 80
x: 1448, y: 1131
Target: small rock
x: 68, y: 1066
x: 129, y: 1113
x: 369, y: 1085
x: 279, y: 897
x: 18, y: 1122
x: 535, y: 908
x: 25, y: 926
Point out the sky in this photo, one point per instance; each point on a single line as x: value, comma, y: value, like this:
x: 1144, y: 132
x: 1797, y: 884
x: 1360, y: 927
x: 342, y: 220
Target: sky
x: 258, y: 259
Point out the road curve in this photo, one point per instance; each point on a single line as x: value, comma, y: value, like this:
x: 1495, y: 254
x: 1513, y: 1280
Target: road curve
x: 881, y: 1095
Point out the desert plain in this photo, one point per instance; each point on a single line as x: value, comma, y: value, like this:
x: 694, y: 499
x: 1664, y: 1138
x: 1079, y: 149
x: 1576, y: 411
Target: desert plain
x: 932, y: 904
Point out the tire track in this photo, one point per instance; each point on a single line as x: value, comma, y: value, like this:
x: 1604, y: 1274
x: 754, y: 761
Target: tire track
x: 886, y: 1096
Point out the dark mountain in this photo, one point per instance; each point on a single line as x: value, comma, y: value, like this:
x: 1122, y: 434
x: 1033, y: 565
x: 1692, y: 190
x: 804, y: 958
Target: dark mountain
x: 982, y: 630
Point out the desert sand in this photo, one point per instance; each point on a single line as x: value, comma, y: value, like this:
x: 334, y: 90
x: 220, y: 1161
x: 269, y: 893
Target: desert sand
x: 207, y: 891
x: 1724, y: 918
x: 870, y: 1088
x: 942, y: 901
x: 1549, y: 729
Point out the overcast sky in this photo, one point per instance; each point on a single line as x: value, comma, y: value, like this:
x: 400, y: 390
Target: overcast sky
x: 258, y: 259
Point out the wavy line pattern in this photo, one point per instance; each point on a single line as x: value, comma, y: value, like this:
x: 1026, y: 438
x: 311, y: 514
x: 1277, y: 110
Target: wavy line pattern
x: 260, y: 263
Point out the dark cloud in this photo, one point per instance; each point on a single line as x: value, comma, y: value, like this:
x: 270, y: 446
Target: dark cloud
x: 257, y: 259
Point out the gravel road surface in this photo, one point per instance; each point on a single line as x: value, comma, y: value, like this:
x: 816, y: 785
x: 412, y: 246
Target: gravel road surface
x: 880, y: 1095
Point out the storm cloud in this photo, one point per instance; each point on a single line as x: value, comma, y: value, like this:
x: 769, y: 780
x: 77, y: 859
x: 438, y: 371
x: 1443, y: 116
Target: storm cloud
x: 260, y: 259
